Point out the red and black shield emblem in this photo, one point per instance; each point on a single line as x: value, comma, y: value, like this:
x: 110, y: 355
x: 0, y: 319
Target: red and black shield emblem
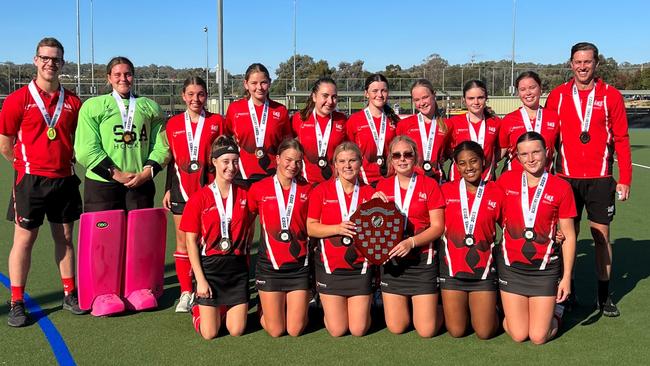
x: 380, y: 226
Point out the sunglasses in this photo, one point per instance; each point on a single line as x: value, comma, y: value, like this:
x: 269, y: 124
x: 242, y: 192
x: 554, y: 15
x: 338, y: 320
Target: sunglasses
x: 408, y: 155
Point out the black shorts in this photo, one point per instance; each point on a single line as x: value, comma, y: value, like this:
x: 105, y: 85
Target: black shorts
x: 343, y: 282
x: 103, y: 196
x: 269, y: 279
x: 528, y: 282
x: 468, y: 285
x: 597, y: 195
x: 410, y: 276
x: 227, y: 276
x: 35, y: 196
x: 177, y: 207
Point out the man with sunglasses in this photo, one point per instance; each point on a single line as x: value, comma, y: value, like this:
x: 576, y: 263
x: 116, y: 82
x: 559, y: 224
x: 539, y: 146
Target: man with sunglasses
x: 37, y: 123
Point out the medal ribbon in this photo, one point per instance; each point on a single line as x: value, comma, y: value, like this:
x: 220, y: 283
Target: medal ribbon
x: 481, y: 132
x: 259, y: 126
x: 404, y: 206
x: 530, y: 213
x: 380, y: 138
x: 225, y: 214
x: 322, y: 140
x: 427, y: 142
x: 285, y: 211
x: 50, y: 121
x: 194, y: 140
x: 127, y: 117
x: 345, y: 212
x: 470, y: 217
x: 586, y: 120
x: 538, y: 120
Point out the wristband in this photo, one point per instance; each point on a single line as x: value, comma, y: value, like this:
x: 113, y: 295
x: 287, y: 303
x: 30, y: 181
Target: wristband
x: 150, y: 169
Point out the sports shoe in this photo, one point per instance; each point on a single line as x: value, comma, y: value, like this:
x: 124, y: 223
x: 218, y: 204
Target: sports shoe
x: 17, y: 316
x: 185, y: 302
x: 71, y: 304
x: 609, y: 309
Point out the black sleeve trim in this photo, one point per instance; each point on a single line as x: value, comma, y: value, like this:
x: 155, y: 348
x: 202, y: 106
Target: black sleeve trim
x: 103, y: 169
x: 156, y: 167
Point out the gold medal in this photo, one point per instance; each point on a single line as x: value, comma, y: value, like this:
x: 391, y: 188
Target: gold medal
x: 51, y: 133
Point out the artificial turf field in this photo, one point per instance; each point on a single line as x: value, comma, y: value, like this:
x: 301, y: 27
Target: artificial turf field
x: 164, y: 337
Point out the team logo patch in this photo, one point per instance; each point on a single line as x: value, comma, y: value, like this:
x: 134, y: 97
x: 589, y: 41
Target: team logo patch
x: 102, y: 224
x: 492, y: 204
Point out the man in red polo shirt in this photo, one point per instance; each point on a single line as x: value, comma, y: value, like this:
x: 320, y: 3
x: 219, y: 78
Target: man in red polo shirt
x: 593, y: 126
x: 37, y: 123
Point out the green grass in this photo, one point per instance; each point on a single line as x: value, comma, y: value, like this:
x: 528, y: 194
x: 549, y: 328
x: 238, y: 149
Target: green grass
x: 164, y: 337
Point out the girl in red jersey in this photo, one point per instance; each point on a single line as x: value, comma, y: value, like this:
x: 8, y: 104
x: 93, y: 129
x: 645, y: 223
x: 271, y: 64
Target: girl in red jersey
x: 343, y: 276
x: 479, y: 124
x: 529, y: 117
x: 427, y: 129
x: 534, y: 271
x: 217, y: 225
x: 190, y: 135
x: 412, y: 273
x: 467, y: 273
x: 258, y: 124
x: 282, y: 270
x: 373, y: 128
x: 319, y: 128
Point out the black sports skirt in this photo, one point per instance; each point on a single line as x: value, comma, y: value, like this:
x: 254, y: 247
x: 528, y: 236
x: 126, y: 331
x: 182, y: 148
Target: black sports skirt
x: 227, y: 276
x: 410, y: 276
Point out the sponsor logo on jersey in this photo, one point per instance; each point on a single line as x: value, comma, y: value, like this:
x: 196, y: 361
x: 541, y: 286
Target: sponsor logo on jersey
x: 551, y: 124
x: 30, y: 106
x: 422, y: 196
x: 549, y: 198
x: 214, y: 128
x: 268, y: 198
x: 67, y: 106
x: 517, y: 128
x: 276, y: 114
x: 510, y: 192
x: 242, y: 202
x: 492, y: 204
x: 303, y: 196
x: 332, y: 201
x: 492, y: 129
x: 241, y: 114
x: 338, y: 127
x: 453, y: 200
x: 598, y: 103
x: 176, y: 133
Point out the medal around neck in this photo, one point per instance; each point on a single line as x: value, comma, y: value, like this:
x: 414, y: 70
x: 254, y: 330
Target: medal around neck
x: 427, y: 166
x: 225, y: 244
x: 322, y: 162
x: 259, y: 153
x: 285, y: 236
x: 194, y: 166
x: 51, y: 133
x: 469, y: 240
x: 128, y: 137
x: 585, y: 137
x: 529, y: 234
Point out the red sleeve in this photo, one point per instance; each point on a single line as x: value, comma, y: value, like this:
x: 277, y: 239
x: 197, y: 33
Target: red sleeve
x: 553, y: 100
x: 436, y: 199
x: 567, y: 208
x: 253, y: 197
x: 11, y: 115
x: 191, y: 219
x: 616, y: 111
x: 316, y: 202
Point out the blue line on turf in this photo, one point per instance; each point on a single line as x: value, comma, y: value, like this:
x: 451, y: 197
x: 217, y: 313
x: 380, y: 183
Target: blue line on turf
x: 53, y: 336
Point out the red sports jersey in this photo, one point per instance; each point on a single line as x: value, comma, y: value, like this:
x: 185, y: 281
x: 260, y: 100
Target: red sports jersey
x: 608, y: 133
x: 34, y: 152
x: 183, y: 180
x: 410, y: 127
x: 457, y: 259
x: 201, y: 216
x: 460, y: 132
x: 426, y: 197
x: 324, y: 206
x: 306, y: 134
x: 359, y: 132
x: 512, y: 126
x: 272, y: 251
x: 556, y: 203
x: 240, y: 126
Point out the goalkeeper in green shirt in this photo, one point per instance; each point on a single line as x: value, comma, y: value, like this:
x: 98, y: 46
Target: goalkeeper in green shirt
x: 120, y: 140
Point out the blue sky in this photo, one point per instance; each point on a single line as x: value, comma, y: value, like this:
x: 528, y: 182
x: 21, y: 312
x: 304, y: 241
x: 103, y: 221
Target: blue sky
x: 379, y: 32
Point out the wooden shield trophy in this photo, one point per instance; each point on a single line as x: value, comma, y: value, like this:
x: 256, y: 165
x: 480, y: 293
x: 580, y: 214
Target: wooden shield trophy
x: 380, y: 226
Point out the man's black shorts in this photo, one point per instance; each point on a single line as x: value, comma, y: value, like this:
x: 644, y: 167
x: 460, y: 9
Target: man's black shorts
x: 597, y: 195
x: 35, y: 196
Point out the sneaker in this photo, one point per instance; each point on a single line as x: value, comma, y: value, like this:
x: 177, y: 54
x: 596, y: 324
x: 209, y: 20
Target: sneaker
x: 17, y: 316
x: 609, y: 309
x: 185, y: 302
x: 71, y: 304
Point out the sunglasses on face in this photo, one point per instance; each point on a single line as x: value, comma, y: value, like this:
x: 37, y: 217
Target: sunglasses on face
x: 408, y: 155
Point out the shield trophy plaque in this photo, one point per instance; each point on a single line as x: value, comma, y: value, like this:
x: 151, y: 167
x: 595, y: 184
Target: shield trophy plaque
x: 380, y: 226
